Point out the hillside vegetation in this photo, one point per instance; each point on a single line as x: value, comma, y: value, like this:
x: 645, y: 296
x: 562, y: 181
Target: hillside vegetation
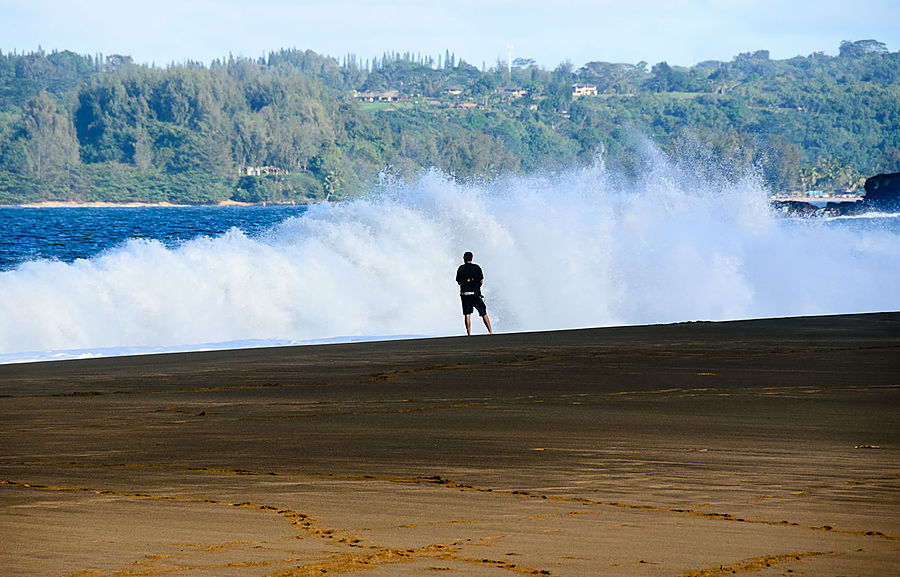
x: 298, y: 126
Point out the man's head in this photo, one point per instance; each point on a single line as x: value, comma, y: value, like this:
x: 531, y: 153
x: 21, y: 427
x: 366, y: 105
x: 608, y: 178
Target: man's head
x: 467, y: 257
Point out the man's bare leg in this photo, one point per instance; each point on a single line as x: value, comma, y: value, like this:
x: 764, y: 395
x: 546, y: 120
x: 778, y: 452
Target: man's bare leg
x: 487, y: 323
x: 468, y: 324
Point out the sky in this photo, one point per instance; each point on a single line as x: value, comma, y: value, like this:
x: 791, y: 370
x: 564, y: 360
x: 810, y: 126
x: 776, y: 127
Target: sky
x: 481, y: 32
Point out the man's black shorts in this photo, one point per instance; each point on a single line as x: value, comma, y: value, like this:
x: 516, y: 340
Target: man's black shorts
x: 470, y: 302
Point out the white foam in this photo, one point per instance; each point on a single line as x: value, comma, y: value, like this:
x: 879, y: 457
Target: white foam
x: 571, y: 250
x: 65, y: 355
x: 873, y: 215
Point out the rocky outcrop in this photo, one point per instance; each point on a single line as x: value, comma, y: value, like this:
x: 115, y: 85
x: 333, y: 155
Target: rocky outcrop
x: 883, y: 191
x: 882, y: 194
x: 796, y: 208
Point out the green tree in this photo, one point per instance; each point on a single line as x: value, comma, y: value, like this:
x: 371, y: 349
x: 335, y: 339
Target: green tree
x: 49, y: 140
x: 187, y: 132
x: 861, y: 48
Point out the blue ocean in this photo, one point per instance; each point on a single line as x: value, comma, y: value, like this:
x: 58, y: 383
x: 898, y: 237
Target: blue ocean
x: 579, y: 248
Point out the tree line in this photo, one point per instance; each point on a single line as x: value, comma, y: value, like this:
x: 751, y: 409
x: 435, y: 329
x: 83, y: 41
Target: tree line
x: 291, y: 127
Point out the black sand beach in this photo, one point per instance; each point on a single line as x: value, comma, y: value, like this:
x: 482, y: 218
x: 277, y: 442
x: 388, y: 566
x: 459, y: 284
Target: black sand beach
x: 768, y: 447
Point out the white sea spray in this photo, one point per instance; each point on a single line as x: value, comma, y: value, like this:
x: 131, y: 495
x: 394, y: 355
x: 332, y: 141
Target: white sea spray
x: 580, y: 248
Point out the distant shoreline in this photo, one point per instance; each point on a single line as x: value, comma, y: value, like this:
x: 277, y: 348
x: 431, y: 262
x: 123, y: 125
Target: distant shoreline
x: 226, y: 203
x: 812, y: 199
x: 106, y: 204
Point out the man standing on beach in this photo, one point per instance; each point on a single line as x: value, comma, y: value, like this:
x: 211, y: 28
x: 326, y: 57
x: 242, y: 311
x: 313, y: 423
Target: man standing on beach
x: 469, y: 277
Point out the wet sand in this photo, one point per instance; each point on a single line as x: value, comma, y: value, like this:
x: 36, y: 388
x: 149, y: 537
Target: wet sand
x: 763, y: 447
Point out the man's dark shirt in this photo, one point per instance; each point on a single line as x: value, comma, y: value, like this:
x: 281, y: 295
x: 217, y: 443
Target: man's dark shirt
x: 469, y: 277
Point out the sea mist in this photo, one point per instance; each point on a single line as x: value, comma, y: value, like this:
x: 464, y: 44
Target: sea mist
x: 580, y: 248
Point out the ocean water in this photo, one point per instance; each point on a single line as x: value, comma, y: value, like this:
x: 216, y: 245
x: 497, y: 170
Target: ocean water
x: 580, y: 248
x: 70, y: 233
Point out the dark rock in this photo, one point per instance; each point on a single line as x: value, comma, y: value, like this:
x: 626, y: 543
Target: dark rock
x: 796, y: 208
x: 882, y: 194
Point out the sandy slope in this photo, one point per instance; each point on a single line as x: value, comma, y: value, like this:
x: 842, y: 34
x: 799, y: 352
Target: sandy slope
x: 768, y: 447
